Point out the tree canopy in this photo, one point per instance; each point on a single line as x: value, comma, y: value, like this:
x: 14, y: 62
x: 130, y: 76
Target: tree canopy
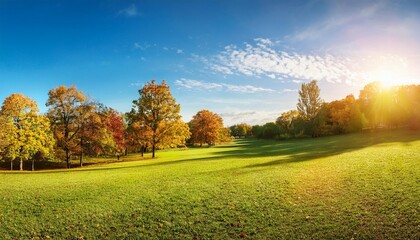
x: 309, y: 102
x: 25, y: 132
x: 205, y: 127
x: 65, y: 110
x: 157, y: 111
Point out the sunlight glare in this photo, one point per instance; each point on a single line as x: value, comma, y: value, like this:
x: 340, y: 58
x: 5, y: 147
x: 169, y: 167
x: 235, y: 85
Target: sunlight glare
x: 391, y: 74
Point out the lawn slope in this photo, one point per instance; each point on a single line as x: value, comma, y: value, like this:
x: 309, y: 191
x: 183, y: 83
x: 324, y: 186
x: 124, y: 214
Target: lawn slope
x: 362, y: 186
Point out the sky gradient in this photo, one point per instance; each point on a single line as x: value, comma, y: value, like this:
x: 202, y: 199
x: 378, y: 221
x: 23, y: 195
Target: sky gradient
x: 244, y: 60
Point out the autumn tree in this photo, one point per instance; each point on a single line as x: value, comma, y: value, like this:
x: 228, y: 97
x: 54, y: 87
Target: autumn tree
x: 287, y: 121
x: 89, y: 126
x: 225, y: 135
x: 205, y: 127
x: 64, y: 114
x: 157, y: 111
x: 115, y: 125
x: 344, y: 115
x: 137, y: 135
x: 26, y: 133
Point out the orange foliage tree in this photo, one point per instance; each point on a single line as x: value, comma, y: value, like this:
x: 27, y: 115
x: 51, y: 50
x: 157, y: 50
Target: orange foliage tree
x: 64, y: 114
x: 205, y: 127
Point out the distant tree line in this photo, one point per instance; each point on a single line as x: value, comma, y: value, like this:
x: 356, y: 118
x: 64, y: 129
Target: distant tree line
x: 377, y: 107
x: 76, y: 126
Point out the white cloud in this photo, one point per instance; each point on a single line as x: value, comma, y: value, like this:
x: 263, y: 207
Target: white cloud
x: 246, y: 88
x: 289, y: 90
x: 137, y: 84
x: 141, y: 46
x: 130, y: 11
x: 194, y: 84
x: 263, y: 60
x: 179, y: 51
x: 250, y: 117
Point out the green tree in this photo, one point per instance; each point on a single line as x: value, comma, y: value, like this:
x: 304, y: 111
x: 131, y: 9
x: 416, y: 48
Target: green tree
x: 309, y: 102
x: 25, y: 131
x: 241, y: 130
x: 287, y: 121
x: 157, y: 111
x: 64, y: 114
x: 308, y: 106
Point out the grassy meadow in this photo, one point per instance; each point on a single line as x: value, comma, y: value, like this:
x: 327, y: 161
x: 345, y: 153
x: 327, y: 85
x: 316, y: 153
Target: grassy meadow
x: 359, y: 186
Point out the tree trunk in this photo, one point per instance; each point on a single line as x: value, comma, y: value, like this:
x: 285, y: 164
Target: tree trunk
x: 118, y: 157
x: 81, y: 159
x: 67, y: 158
x: 33, y: 164
x: 142, y: 151
x: 81, y: 152
x: 21, y: 164
x: 11, y: 164
x: 154, y: 144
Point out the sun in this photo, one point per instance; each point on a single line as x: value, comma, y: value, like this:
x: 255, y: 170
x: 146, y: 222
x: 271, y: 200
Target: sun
x: 390, y: 75
x: 389, y: 78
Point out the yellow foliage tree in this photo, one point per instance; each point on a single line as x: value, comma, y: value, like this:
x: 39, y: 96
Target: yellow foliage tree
x: 25, y: 131
x: 156, y: 112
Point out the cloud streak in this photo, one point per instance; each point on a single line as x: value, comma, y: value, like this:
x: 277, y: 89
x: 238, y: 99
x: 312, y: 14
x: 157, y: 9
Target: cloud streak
x: 262, y: 60
x: 200, y: 85
x: 130, y: 11
x: 344, y: 13
x: 249, y: 117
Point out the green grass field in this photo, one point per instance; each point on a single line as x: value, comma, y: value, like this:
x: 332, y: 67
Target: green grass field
x: 361, y: 186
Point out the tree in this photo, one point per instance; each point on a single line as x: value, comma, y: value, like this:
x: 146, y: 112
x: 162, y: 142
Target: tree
x: 64, y: 114
x: 287, y: 120
x: 309, y: 106
x: 157, y: 111
x: 137, y: 135
x: 205, y: 127
x: 241, y: 130
x: 26, y: 132
x: 225, y: 135
x: 344, y: 115
x: 6, y: 128
x: 309, y: 102
x: 89, y: 128
x: 368, y: 101
x: 115, y: 124
x: 172, y: 134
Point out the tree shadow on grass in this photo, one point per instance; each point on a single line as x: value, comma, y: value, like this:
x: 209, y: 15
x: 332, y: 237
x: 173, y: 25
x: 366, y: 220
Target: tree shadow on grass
x: 311, y: 149
x: 284, y: 152
x: 297, y: 150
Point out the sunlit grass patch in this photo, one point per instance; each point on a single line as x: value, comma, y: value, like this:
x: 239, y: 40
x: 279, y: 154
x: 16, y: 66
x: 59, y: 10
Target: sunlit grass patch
x: 354, y: 186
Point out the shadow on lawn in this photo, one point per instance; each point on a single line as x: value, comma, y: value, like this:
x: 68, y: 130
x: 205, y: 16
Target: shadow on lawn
x: 288, y: 151
x: 298, y: 150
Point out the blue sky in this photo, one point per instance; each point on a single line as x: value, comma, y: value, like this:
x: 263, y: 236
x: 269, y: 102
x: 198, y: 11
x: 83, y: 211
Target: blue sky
x: 244, y: 60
